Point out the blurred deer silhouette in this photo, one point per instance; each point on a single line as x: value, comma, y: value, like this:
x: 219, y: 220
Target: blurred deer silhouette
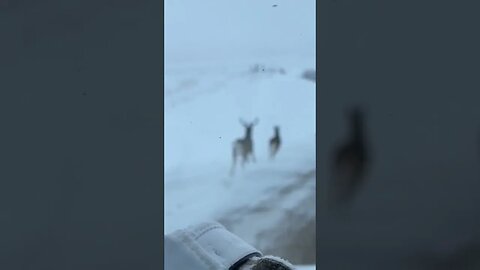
x: 275, y: 142
x: 350, y: 161
x: 243, y: 147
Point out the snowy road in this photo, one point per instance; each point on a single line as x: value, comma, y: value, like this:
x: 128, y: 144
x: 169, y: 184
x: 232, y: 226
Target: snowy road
x: 284, y: 220
x: 267, y: 200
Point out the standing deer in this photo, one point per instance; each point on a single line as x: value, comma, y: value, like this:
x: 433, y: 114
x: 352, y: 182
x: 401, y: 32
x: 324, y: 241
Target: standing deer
x: 243, y: 147
x: 275, y: 142
x: 351, y: 160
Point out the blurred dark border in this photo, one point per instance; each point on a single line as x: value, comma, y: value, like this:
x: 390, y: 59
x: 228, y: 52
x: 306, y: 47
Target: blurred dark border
x: 421, y: 56
x: 81, y: 141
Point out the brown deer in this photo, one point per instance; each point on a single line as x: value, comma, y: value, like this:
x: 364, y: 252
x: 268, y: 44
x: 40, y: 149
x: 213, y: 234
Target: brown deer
x: 243, y: 147
x: 275, y: 142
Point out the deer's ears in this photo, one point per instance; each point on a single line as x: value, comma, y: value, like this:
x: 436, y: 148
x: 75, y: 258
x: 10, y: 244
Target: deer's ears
x: 245, y: 124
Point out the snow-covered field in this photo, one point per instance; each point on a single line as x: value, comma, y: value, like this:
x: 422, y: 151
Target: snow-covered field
x: 211, y: 48
x: 202, y: 110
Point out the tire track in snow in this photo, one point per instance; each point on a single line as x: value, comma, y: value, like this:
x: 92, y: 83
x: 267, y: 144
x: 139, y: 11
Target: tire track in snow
x: 283, y: 223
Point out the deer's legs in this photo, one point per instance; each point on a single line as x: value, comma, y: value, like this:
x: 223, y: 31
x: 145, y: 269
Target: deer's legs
x: 274, y: 152
x: 252, y: 155
x: 244, y: 160
x: 234, y: 160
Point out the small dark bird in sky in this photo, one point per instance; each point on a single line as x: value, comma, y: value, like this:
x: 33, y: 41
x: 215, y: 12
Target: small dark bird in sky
x: 274, y: 5
x: 350, y: 160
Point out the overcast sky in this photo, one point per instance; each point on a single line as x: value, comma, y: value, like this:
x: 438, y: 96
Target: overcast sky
x: 212, y: 28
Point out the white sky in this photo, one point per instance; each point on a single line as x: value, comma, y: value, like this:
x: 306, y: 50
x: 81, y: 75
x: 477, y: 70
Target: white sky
x: 204, y: 29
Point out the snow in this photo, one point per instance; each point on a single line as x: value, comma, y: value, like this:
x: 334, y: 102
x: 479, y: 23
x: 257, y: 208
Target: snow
x: 202, y: 110
x: 201, y: 122
x: 305, y: 267
x: 210, y: 50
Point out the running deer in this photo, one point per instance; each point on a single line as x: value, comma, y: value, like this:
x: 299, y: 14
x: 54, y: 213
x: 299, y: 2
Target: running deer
x: 351, y: 161
x: 275, y: 142
x: 243, y: 147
